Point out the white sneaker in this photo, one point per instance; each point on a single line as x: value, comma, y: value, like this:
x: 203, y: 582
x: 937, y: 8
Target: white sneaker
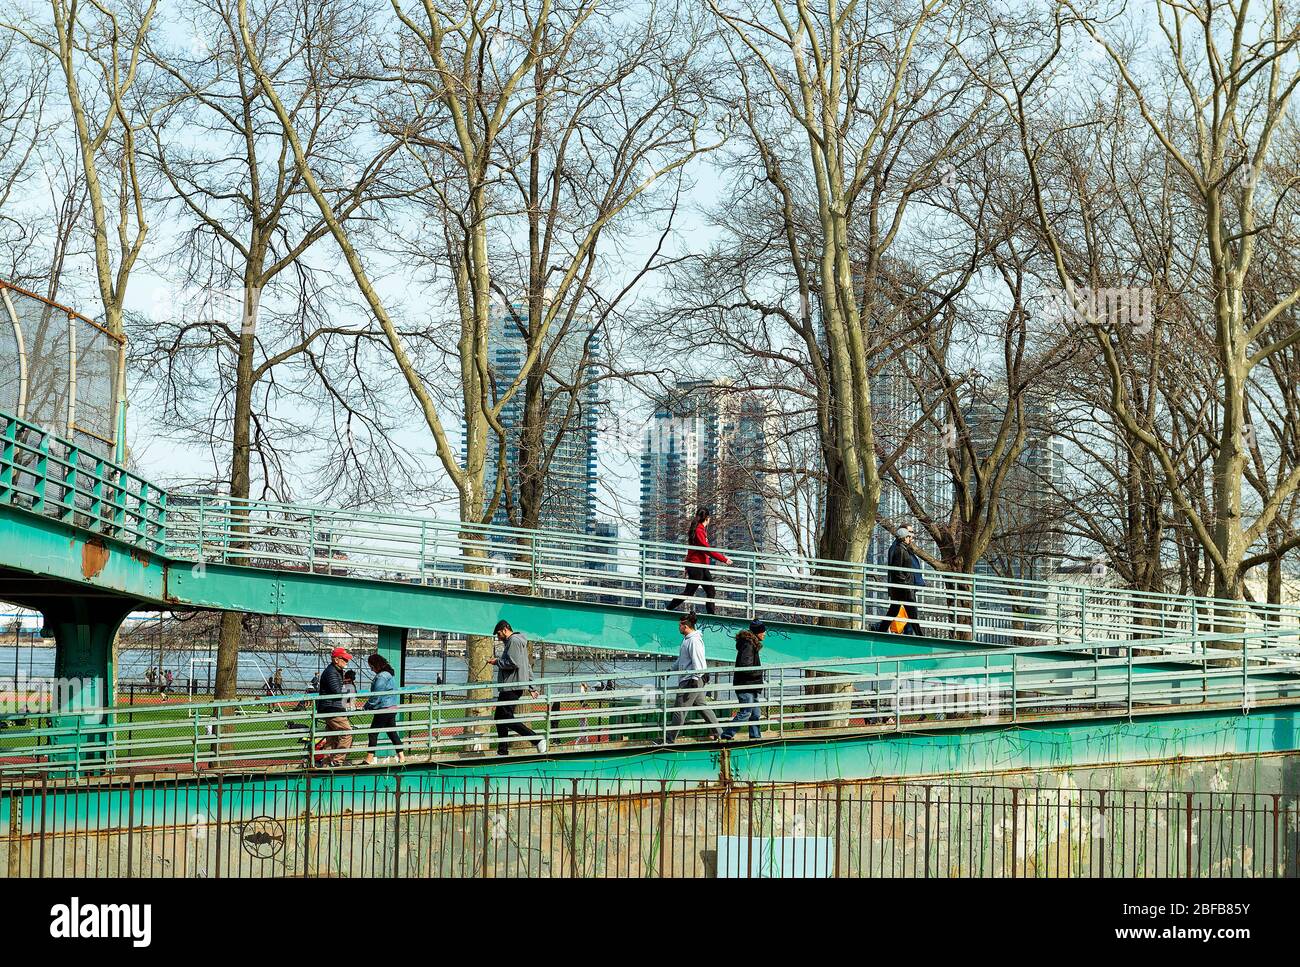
x: 542, y: 746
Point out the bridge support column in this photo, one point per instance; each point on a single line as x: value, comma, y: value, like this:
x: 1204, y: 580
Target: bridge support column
x: 85, y: 670
x: 392, y: 645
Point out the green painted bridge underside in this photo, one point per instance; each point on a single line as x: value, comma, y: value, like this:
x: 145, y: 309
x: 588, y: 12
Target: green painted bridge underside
x: 937, y: 753
x: 46, y: 549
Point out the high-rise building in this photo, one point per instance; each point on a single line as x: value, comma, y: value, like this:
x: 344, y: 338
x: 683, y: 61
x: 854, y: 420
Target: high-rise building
x: 569, y: 491
x: 898, y: 415
x: 1029, y: 505
x: 707, y: 446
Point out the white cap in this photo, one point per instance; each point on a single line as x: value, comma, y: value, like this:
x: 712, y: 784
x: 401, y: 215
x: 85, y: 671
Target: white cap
x: 905, y: 531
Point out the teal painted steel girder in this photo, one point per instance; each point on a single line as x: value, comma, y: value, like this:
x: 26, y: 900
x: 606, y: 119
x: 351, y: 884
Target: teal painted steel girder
x: 52, y: 549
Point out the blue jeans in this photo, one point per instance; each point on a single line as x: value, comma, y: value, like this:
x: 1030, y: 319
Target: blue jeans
x: 748, y: 712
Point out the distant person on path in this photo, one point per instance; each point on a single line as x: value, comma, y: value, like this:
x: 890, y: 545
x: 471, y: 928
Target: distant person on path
x: 278, y: 681
x: 384, y: 707
x: 690, y: 696
x: 151, y: 676
x: 698, y: 575
x: 747, y: 680
x: 168, y: 678
x: 513, y: 669
x: 903, y: 572
x: 338, y: 728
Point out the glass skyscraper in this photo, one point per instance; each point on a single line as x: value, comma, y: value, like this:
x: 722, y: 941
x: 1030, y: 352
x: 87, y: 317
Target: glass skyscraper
x: 569, y: 491
x: 707, y: 446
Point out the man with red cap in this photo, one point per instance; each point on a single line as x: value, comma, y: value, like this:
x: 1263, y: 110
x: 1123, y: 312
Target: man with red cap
x: 330, y: 702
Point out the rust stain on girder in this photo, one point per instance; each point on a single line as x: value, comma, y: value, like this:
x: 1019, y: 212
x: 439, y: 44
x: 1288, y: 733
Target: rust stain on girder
x: 94, y: 556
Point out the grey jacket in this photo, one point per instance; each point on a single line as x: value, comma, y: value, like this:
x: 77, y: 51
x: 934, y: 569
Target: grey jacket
x: 512, y: 664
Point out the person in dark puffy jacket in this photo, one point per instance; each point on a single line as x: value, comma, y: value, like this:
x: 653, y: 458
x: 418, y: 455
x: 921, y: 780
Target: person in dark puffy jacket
x: 747, y: 680
x: 698, y: 575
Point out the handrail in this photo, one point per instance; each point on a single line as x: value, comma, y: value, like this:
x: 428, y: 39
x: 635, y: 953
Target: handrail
x: 987, y: 686
x: 44, y: 474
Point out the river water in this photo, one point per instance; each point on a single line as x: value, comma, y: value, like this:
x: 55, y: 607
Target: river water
x: 298, y: 667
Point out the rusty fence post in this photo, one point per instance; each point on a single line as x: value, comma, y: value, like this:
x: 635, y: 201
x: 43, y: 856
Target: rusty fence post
x: 130, y: 828
x: 1188, y: 872
x: 306, y: 820
x: 839, y: 803
x: 663, y: 811
x: 1105, y: 841
x: 45, y: 780
x: 220, y: 819
x: 573, y: 832
x: 397, y: 826
x: 487, y: 827
x: 927, y: 832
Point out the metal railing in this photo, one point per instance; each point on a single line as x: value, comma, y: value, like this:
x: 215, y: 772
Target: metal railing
x: 45, y: 474
x: 424, y: 825
x: 440, y: 553
x: 991, y: 686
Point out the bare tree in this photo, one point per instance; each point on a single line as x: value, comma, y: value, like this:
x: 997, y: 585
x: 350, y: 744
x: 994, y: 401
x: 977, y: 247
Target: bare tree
x: 456, y: 90
x: 250, y: 302
x: 851, y: 114
x: 101, y: 45
x: 1214, y: 100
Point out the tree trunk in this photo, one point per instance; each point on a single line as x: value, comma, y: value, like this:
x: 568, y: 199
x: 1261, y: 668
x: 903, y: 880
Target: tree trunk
x: 231, y: 635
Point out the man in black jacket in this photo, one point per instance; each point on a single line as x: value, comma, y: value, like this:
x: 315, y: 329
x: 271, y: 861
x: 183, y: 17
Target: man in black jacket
x: 337, y: 725
x: 903, y: 572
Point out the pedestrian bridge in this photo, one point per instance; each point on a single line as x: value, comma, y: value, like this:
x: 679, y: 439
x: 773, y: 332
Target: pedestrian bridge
x: 86, y: 542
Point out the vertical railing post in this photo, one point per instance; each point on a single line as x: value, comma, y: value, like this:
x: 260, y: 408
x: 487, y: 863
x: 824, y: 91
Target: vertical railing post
x: 780, y: 712
x: 424, y: 536
x: 751, y: 590
x: 42, y: 473
x: 546, y: 697
x: 1015, y: 713
x: 1129, y: 679
x: 533, y: 566
x: 643, y: 576
x: 1245, y: 673
x: 9, y: 463
x: 160, y: 524
x: 435, y: 709
x: 69, y: 501
x: 663, y: 709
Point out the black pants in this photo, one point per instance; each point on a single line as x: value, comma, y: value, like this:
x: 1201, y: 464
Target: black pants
x: 696, y: 578
x: 897, y: 598
x: 385, y: 720
x: 506, y: 710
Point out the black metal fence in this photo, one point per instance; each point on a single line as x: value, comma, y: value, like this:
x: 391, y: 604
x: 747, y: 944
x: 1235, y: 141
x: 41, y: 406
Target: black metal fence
x: 425, y: 825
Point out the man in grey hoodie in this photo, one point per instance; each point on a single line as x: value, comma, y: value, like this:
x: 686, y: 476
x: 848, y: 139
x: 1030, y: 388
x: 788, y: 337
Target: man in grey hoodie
x: 513, y: 669
x: 691, y: 696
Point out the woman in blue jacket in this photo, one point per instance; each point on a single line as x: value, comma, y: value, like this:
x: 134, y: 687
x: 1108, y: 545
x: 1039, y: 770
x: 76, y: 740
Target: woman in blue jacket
x: 384, y: 707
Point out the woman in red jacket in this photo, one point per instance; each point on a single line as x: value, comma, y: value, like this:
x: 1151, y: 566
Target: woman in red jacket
x: 698, y: 574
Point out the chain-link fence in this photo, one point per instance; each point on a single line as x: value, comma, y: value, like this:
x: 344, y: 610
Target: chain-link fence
x: 59, y: 370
